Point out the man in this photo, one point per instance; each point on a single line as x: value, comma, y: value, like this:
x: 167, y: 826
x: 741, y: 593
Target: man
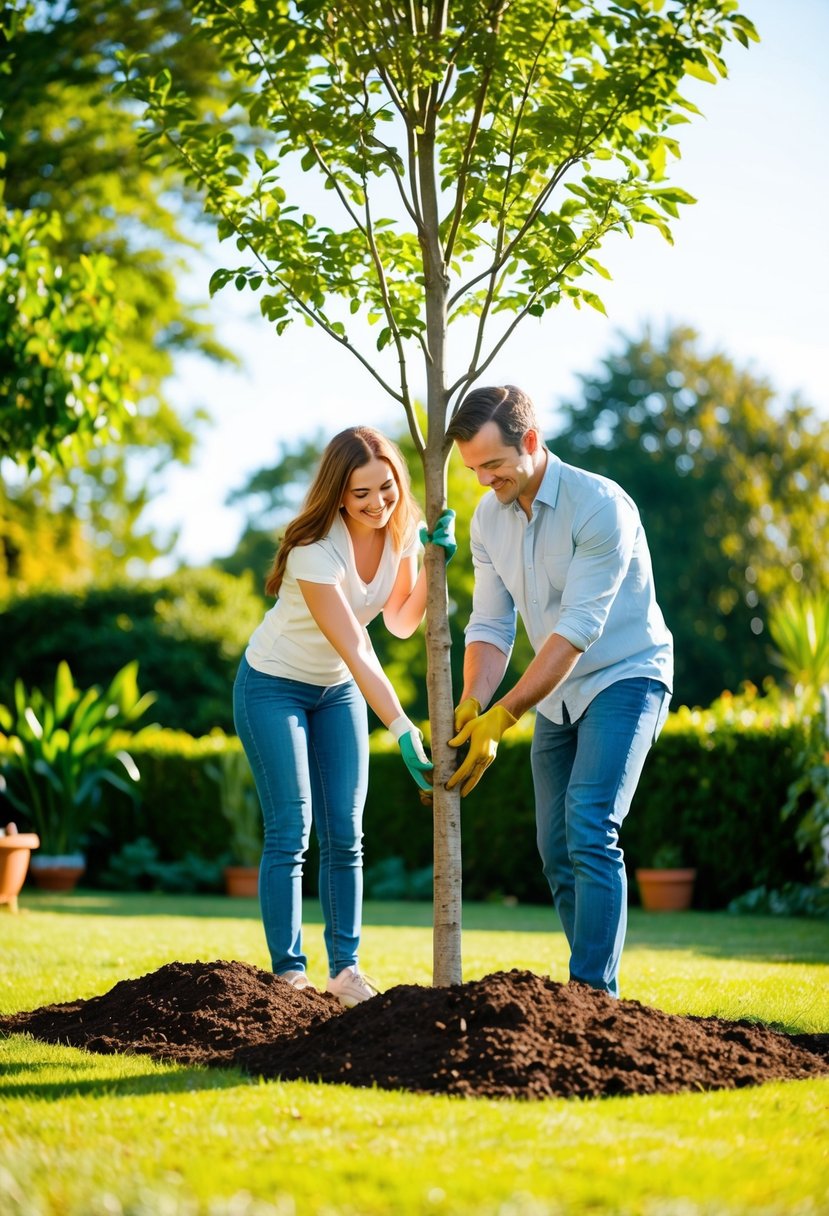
x: 566, y: 549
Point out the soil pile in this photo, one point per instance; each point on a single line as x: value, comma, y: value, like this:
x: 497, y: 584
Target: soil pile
x: 512, y: 1034
x: 193, y: 1013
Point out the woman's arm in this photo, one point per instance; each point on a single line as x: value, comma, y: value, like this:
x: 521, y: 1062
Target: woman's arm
x: 406, y: 606
x: 336, y: 622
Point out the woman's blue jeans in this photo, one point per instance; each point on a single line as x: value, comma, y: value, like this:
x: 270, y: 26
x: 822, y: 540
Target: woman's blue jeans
x: 308, y: 748
x: 585, y: 774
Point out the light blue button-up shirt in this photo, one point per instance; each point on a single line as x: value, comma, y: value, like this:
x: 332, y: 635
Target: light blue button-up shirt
x: 579, y: 567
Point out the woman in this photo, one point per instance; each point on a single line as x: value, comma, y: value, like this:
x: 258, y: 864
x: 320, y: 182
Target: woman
x: 301, y: 691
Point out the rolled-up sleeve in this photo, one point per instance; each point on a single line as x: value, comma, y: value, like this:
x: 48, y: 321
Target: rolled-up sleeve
x: 604, y: 545
x: 493, y: 609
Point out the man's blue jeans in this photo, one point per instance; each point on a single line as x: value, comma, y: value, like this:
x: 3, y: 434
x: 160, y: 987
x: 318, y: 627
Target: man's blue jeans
x: 585, y: 774
x: 308, y: 748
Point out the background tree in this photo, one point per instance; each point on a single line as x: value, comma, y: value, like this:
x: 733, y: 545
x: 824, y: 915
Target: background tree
x: 733, y: 487
x: 71, y: 151
x: 469, y: 159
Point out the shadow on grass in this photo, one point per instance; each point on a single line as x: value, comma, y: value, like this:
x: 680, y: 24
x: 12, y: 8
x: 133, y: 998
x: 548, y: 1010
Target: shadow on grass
x: 175, y: 1079
x: 712, y: 934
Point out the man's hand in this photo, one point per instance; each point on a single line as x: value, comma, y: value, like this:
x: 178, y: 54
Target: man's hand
x: 483, y: 734
x: 468, y: 709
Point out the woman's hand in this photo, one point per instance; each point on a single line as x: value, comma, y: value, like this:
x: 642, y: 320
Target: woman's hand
x: 410, y: 741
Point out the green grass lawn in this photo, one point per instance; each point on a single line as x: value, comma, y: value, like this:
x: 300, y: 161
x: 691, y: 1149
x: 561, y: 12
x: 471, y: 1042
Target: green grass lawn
x: 82, y: 1135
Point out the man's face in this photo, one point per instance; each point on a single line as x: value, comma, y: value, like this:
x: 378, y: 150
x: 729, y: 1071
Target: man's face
x: 508, y: 472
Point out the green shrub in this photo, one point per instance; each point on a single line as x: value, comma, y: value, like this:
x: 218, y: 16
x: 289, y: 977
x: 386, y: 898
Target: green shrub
x: 713, y: 787
x: 187, y: 632
x: 792, y: 899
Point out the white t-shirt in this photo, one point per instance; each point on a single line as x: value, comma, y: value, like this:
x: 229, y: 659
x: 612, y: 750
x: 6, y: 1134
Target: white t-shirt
x: 289, y: 643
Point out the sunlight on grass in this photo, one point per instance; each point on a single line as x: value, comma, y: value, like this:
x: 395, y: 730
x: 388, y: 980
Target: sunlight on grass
x: 83, y: 1135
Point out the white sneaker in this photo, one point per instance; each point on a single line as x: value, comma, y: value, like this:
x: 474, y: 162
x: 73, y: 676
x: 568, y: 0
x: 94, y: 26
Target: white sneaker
x: 351, y: 987
x: 297, y: 979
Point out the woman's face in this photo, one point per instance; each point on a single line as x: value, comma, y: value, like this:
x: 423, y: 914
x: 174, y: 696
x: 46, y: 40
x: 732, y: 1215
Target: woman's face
x: 371, y: 494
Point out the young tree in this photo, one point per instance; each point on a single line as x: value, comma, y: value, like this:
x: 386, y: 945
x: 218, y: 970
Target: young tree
x: 473, y: 156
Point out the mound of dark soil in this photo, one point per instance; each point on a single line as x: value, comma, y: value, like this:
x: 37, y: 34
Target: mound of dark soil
x: 511, y: 1034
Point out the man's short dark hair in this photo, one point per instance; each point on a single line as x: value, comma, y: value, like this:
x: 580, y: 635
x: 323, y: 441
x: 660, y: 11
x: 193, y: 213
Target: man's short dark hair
x: 507, y: 406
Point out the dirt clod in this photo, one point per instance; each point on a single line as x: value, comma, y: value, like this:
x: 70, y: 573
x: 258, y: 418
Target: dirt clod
x: 512, y: 1034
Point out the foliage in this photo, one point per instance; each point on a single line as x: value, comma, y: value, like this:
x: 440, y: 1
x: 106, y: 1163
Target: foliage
x: 60, y: 750
x: 584, y: 98
x: 137, y: 868
x: 71, y: 151
x: 64, y: 379
x: 732, y: 488
x: 240, y: 806
x: 189, y: 630
x: 713, y: 787
x: 667, y: 857
x: 180, y: 807
x: 799, y: 628
x: 390, y: 879
x: 792, y: 899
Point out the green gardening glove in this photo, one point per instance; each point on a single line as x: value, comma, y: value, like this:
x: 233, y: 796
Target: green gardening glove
x: 443, y: 535
x: 410, y: 741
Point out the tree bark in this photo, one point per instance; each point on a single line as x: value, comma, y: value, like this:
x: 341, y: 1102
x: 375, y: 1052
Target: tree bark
x: 447, y: 967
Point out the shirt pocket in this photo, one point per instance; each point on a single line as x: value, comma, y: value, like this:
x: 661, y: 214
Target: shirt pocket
x: 556, y: 566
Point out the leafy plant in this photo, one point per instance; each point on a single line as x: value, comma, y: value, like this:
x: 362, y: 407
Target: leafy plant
x: 800, y: 629
x: 61, y: 750
x: 792, y: 899
x: 137, y: 868
x: 390, y: 879
x: 667, y: 857
x: 239, y: 805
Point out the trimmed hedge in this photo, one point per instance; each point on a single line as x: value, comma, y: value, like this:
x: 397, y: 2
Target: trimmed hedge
x: 714, y: 785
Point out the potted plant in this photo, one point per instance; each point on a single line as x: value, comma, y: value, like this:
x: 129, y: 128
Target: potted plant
x: 57, y: 754
x: 15, y: 851
x: 668, y: 885
x: 240, y: 807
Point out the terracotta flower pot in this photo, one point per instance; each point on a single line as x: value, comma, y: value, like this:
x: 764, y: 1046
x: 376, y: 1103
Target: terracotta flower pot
x: 58, y: 873
x: 666, y: 890
x: 15, y: 852
x: 242, y: 880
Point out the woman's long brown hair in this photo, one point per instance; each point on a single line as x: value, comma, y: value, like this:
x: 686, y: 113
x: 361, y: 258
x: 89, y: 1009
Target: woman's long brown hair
x: 349, y: 450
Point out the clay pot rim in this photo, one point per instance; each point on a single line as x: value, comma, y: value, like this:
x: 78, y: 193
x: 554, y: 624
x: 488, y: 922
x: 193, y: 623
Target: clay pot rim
x: 680, y: 873
x: 22, y: 840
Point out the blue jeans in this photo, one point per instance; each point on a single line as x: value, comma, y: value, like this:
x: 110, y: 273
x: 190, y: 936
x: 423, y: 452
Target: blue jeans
x: 308, y: 748
x: 585, y: 774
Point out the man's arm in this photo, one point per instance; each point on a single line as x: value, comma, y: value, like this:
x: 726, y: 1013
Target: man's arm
x: 548, y: 669
x: 483, y: 670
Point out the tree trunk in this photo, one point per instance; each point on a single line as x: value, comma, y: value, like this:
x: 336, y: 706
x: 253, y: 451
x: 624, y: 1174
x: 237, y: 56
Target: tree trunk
x: 446, y: 806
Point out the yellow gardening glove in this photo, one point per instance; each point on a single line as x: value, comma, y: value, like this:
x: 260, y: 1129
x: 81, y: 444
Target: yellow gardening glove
x: 466, y: 711
x: 483, y: 734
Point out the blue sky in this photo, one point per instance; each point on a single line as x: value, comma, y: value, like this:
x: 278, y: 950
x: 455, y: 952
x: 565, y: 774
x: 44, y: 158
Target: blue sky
x: 748, y: 270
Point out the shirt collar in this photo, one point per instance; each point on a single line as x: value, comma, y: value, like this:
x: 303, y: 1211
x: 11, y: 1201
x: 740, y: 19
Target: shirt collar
x: 547, y: 492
